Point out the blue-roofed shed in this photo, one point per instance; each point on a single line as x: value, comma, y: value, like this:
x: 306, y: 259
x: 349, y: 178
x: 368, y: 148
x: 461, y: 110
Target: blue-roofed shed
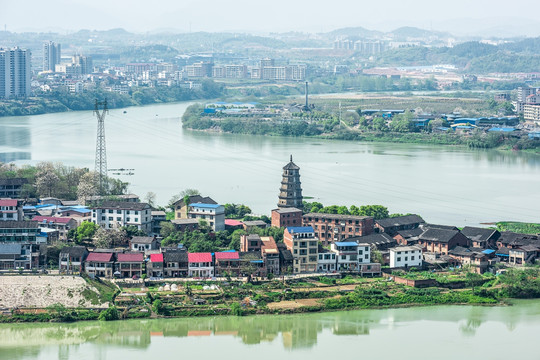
x: 300, y: 229
x: 346, y: 243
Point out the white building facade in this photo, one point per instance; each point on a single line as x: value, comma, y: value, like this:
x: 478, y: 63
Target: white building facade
x: 406, y: 257
x: 117, y: 214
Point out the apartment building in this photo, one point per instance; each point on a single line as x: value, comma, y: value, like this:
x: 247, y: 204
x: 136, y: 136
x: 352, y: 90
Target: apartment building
x: 303, y: 244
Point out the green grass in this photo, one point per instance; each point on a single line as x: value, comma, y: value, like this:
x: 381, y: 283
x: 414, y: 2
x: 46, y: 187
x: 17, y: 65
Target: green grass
x: 519, y: 227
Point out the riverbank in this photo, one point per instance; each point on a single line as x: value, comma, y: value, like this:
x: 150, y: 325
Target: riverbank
x: 128, y: 300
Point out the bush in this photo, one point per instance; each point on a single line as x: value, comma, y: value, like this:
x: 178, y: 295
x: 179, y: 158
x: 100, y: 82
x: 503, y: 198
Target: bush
x: 236, y: 309
x: 109, y: 314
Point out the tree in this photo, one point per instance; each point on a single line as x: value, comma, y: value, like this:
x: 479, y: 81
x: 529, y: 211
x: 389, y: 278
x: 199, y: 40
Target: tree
x: 87, y: 187
x: 46, y: 179
x: 150, y: 198
x: 376, y: 211
x: 167, y: 228
x: 110, y: 238
x: 85, y: 231
x: 132, y: 230
x: 379, y: 124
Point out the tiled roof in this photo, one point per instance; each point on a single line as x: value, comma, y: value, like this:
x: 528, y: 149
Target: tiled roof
x: 334, y: 216
x: 74, y: 251
x: 438, y: 235
x: 8, y: 202
x: 226, y: 256
x: 199, y: 257
x: 130, y: 257
x: 287, y: 210
x: 205, y: 206
x: 376, y: 239
x: 10, y: 249
x: 142, y: 239
x: 52, y: 219
x: 123, y: 205
x: 479, y: 234
x: 400, y: 221
x: 99, y: 257
x: 175, y: 256
x: 18, y: 225
x: 232, y: 222
x: 196, y: 199
x: 156, y: 258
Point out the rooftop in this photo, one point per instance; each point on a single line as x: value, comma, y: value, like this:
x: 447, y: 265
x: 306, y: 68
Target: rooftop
x: 438, y: 235
x: 300, y: 229
x: 123, y: 205
x: 130, y: 257
x: 406, y: 248
x: 99, y: 257
x: 52, y: 219
x: 225, y: 255
x: 205, y: 206
x: 479, y: 234
x: 19, y: 225
x: 335, y: 216
x: 199, y: 257
x: 156, y: 258
x: 8, y: 202
x: 287, y: 210
x: 400, y: 221
x: 142, y: 239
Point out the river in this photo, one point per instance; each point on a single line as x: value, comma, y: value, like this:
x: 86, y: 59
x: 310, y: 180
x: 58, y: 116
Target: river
x: 444, y: 184
x: 439, y: 332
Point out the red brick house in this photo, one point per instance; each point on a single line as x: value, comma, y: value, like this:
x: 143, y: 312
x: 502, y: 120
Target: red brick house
x: 286, y: 217
x: 334, y: 227
x: 442, y: 240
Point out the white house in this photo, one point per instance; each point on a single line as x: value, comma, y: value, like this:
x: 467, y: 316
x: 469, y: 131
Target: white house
x: 116, y: 214
x: 326, y: 261
x: 213, y: 214
x: 200, y: 265
x: 405, y: 257
x: 350, y: 255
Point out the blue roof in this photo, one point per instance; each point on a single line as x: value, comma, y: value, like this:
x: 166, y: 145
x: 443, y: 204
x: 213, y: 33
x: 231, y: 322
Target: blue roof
x: 502, y: 129
x: 345, y: 243
x: 256, y: 261
x: 300, y: 229
x: 207, y: 206
x: 488, y: 251
x: 502, y: 254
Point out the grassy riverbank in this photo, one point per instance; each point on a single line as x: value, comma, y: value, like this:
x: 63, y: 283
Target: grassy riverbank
x: 318, y: 293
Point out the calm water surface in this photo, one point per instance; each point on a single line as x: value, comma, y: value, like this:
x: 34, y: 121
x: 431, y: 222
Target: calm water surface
x: 443, y: 184
x: 442, y: 332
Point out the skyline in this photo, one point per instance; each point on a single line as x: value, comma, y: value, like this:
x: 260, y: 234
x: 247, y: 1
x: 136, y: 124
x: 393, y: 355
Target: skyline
x: 481, y: 18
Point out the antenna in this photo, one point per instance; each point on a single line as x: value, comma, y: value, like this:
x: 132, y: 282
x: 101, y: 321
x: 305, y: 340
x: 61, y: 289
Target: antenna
x: 101, y: 149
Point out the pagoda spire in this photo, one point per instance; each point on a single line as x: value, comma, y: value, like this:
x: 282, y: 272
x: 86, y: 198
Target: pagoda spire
x: 290, y: 192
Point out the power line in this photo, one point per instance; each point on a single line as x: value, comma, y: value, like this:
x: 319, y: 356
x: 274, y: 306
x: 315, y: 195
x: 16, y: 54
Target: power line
x: 101, y: 149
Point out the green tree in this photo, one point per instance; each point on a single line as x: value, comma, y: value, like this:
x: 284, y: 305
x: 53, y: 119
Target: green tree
x: 85, y: 232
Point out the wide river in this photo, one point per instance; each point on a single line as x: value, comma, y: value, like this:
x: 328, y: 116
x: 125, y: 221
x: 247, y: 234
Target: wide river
x: 441, y: 332
x: 444, y: 184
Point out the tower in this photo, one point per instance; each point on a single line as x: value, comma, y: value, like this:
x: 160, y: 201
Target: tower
x: 101, y: 150
x: 15, y: 73
x: 290, y: 193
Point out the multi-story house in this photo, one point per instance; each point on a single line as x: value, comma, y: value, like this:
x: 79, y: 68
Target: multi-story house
x: 175, y: 263
x: 213, y: 214
x: 60, y: 223
x: 11, y: 210
x: 117, y: 214
x: 227, y: 262
x: 286, y: 217
x: 406, y: 257
x: 270, y: 255
x: 334, y: 227
x: 303, y: 244
x: 442, y: 240
x: 154, y: 267
x: 350, y: 255
x: 157, y: 218
x: 326, y: 261
x: 24, y: 232
x: 392, y: 225
x: 71, y: 259
x: 11, y: 188
x: 144, y: 243
x: 17, y: 256
x: 200, y: 265
x: 130, y: 265
x: 100, y: 264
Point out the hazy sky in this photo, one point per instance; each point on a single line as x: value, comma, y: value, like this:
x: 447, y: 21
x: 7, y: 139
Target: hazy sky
x: 264, y: 16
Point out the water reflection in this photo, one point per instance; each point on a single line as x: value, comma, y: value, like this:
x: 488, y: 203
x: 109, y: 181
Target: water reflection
x: 294, y: 332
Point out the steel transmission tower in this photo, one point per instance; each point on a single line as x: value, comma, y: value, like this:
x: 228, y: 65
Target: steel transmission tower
x: 101, y: 149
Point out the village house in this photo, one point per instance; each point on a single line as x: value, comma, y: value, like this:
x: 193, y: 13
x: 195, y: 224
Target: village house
x: 11, y: 210
x: 406, y: 257
x: 526, y: 254
x: 392, y: 225
x: 100, y: 264
x: 303, y: 244
x: 408, y: 237
x: 181, y: 208
x: 251, y: 242
x: 158, y: 216
x: 23, y: 232
x: 481, y: 237
x: 185, y: 224
x: 474, y: 257
x: 144, y: 243
x: 250, y: 225
x: 349, y: 256
x: 334, y: 227
x: 129, y: 265
x: 200, y: 265
x: 78, y: 213
x: 286, y: 259
x: 326, y: 261
x: 513, y: 240
x: 286, y: 217
x: 213, y: 214
x: 154, y: 266
x: 175, y: 263
x: 380, y: 242
x: 12, y: 187
x: 270, y: 255
x: 441, y: 240
x: 17, y: 256
x: 252, y: 264
x: 62, y: 224
x: 117, y: 214
x: 71, y: 259
x: 227, y: 262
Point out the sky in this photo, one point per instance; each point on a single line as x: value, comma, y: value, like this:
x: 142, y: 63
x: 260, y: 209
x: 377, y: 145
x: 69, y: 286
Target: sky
x: 463, y: 17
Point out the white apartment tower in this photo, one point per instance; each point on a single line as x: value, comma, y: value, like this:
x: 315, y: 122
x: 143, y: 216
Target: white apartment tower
x: 51, y: 55
x: 15, y: 73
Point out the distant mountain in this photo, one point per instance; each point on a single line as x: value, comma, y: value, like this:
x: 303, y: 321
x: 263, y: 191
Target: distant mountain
x: 355, y: 32
x: 414, y: 32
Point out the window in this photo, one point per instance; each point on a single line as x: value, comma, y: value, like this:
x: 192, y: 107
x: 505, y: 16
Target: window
x: 110, y: 218
x: 412, y: 257
x: 398, y: 259
x: 110, y: 211
x: 118, y: 218
x: 118, y: 211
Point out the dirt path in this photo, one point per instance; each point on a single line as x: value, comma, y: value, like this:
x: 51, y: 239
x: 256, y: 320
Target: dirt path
x: 293, y: 304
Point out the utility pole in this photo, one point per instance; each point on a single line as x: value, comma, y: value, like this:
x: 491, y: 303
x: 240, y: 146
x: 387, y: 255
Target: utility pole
x: 101, y: 149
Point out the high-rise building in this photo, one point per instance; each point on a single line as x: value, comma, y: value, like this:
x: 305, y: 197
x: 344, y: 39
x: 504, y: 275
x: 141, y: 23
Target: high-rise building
x: 15, y: 73
x: 290, y: 193
x: 85, y: 62
x: 51, y: 55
